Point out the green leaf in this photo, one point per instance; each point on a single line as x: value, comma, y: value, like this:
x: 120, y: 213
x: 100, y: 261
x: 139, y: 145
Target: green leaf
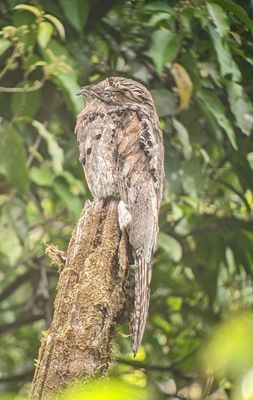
x: 165, y: 101
x: 44, y: 33
x: 241, y: 106
x: 175, y: 303
x: 158, y: 17
x: 41, y: 176
x: 13, y: 158
x: 26, y: 36
x: 233, y: 355
x: 238, y: 11
x: 32, y: 9
x: 158, y: 6
x: 164, y: 48
x: 226, y: 62
x: 250, y: 159
x: 211, y: 121
x: 54, y: 149
x: 220, y: 18
x: 77, y: 12
x: 25, y: 104
x: 76, y: 185
x: 170, y: 245
x: 58, y: 25
x: 193, y: 179
x: 10, y: 245
x: 112, y: 389
x: 72, y: 201
x: 67, y: 81
x: 183, y: 137
x: 215, y: 106
x: 4, y: 45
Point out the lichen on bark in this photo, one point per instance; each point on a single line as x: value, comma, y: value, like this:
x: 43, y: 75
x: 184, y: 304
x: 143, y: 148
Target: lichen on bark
x: 91, y: 297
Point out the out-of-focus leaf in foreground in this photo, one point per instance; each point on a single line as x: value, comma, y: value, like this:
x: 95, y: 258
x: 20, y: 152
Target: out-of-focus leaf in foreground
x: 230, y: 348
x: 113, y: 390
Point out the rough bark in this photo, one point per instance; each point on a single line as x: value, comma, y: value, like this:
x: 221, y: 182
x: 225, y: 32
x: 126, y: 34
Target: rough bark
x: 91, y: 297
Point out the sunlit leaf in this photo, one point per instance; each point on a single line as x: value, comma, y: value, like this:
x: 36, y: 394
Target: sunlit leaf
x: 243, y: 389
x: 4, y: 45
x: 158, y: 6
x: 54, y: 149
x: 158, y: 17
x: 215, y: 106
x: 170, y: 245
x: 220, y: 18
x: 226, y: 62
x: 57, y: 23
x: 175, y: 303
x: 41, y: 176
x: 10, y: 245
x: 32, y: 9
x: 238, y: 11
x: 230, y: 347
x: 250, y: 159
x: 44, y: 33
x: 183, y: 136
x: 241, y: 106
x: 184, y: 85
x: 112, y: 389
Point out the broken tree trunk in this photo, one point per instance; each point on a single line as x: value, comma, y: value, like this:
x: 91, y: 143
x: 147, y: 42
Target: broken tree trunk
x: 91, y: 297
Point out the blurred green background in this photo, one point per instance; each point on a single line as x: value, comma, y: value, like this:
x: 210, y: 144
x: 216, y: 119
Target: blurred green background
x: 196, y: 57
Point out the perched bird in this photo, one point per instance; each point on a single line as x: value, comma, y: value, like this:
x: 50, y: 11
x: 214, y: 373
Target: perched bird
x: 121, y: 149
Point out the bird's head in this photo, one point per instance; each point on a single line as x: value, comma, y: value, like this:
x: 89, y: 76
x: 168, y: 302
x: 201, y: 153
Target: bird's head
x: 117, y: 91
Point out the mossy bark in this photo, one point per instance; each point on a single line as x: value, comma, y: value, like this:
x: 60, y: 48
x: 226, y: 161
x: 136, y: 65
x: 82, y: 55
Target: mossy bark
x: 91, y: 297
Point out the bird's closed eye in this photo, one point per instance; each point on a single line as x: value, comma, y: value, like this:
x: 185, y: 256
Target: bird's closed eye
x: 111, y: 81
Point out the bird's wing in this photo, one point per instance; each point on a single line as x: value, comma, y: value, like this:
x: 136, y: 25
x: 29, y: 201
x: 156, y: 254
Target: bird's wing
x: 140, y: 157
x: 140, y: 179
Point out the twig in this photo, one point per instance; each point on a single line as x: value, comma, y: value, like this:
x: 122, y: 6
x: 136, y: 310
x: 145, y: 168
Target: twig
x: 17, y: 378
x: 27, y: 319
x: 14, y: 285
x: 36, y: 86
x: 46, y: 221
x: 154, y: 367
x: 33, y: 150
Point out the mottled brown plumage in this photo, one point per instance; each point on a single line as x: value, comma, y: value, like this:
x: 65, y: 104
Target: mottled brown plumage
x: 121, y: 149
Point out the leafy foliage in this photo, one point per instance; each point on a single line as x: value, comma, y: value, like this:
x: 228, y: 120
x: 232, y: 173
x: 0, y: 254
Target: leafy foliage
x: 196, y: 58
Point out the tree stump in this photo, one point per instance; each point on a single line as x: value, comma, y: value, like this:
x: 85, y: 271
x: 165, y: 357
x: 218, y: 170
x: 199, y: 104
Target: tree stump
x: 91, y: 297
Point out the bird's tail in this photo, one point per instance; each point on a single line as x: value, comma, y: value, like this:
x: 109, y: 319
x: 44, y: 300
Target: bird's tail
x: 141, y: 301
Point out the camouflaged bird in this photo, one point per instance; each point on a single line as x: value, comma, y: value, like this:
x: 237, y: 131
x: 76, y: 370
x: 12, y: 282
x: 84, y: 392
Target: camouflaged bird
x: 121, y: 149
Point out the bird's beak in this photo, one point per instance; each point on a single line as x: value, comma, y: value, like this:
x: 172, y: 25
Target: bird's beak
x: 83, y: 91
x: 88, y: 91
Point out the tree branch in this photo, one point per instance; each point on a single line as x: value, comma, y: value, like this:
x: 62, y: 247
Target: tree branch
x: 17, y: 378
x: 26, y: 319
x: 161, y: 368
x: 14, y: 285
x: 90, y: 300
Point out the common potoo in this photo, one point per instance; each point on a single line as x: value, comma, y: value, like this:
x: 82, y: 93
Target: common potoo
x: 121, y: 149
